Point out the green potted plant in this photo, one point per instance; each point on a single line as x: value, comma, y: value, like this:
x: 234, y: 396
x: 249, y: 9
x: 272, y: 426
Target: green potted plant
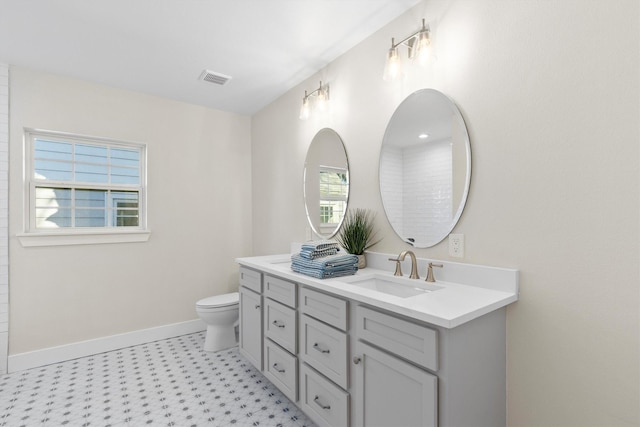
x: 357, y: 233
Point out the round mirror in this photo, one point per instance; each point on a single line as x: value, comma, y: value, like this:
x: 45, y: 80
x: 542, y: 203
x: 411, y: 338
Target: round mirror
x: 425, y: 168
x: 326, y: 183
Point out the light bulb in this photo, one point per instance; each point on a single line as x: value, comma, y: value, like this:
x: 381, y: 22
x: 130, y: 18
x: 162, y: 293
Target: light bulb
x: 321, y: 100
x: 393, y: 67
x: 423, y: 48
x: 304, y: 110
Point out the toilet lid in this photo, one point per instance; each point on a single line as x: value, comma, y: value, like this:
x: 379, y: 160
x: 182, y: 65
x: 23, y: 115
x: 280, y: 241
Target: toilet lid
x: 219, y: 300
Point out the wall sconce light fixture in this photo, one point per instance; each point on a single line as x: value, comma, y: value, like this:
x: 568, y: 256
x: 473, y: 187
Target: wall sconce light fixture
x: 320, y: 99
x: 419, y: 47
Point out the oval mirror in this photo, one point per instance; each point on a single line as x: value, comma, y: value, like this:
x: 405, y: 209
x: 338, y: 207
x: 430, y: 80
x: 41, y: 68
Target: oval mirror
x: 326, y: 183
x: 425, y: 168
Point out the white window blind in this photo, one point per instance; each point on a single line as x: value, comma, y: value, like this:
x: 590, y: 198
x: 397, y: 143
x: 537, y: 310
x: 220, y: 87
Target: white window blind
x: 79, y: 183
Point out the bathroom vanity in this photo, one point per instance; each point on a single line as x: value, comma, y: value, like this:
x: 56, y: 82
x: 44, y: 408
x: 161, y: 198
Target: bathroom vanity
x: 377, y: 350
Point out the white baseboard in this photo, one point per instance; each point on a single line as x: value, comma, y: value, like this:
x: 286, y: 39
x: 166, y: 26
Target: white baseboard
x: 47, y: 356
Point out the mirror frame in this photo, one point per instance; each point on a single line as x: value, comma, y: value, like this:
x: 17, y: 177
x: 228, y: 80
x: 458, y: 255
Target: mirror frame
x: 317, y: 139
x: 458, y: 120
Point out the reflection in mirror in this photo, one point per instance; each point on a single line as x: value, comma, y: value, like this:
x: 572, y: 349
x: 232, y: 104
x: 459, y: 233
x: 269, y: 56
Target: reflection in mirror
x: 425, y: 168
x: 326, y: 183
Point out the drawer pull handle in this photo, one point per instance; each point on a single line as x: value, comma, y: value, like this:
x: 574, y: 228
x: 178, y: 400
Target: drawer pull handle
x: 316, y: 400
x: 356, y: 360
x: 278, y: 324
x: 275, y: 366
x: 317, y: 348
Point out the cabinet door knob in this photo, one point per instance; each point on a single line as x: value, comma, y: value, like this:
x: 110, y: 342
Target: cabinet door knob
x: 257, y: 306
x: 356, y: 360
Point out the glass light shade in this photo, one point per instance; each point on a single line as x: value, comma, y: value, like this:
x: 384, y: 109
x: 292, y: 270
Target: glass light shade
x: 322, y: 100
x: 304, y: 110
x: 423, y: 47
x: 393, y: 67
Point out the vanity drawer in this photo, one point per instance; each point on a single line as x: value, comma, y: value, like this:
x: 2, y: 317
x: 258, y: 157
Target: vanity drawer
x: 282, y: 369
x: 251, y: 279
x: 321, y: 400
x: 280, y: 290
x: 324, y: 307
x: 325, y: 349
x: 280, y: 324
x: 412, y: 341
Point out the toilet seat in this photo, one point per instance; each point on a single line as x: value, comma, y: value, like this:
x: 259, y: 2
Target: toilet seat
x: 218, y: 301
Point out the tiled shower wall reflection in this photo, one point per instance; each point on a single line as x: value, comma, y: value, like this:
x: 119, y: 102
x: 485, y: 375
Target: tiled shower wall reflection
x: 418, y: 189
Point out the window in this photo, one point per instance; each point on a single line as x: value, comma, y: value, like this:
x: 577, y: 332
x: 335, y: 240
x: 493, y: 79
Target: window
x: 77, y: 184
x: 334, y: 187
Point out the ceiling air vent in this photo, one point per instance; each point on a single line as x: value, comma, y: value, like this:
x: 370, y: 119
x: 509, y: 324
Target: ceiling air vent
x: 212, y: 77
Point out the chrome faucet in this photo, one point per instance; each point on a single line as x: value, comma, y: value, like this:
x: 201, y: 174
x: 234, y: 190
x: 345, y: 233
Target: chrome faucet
x: 414, y: 264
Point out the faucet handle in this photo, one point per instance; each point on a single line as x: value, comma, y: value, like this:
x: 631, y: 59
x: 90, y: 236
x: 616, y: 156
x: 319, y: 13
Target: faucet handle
x: 430, y: 276
x: 398, y: 271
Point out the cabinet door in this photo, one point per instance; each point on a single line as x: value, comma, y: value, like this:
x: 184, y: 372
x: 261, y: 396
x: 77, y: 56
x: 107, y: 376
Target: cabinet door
x: 251, y: 279
x: 280, y: 325
x: 409, y: 340
x: 250, y: 345
x: 325, y: 349
x: 280, y: 290
x: 281, y: 368
x: 324, y: 402
x: 326, y: 308
x: 392, y: 392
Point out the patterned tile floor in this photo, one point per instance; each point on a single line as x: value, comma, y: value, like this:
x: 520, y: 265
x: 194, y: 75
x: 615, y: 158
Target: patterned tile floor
x: 171, y: 382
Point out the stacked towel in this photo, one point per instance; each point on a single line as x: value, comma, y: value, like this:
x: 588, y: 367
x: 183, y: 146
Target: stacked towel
x: 318, y: 249
x: 320, y: 259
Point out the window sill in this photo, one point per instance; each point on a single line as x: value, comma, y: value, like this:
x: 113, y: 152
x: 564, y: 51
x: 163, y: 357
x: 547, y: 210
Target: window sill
x: 82, y: 238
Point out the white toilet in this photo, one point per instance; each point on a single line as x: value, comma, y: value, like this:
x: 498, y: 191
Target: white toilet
x: 220, y: 313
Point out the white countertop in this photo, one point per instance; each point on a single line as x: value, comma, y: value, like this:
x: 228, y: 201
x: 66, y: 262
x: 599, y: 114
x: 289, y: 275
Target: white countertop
x: 468, y: 291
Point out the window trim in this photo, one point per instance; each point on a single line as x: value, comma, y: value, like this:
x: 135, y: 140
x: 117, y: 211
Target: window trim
x: 82, y: 238
x: 30, y: 236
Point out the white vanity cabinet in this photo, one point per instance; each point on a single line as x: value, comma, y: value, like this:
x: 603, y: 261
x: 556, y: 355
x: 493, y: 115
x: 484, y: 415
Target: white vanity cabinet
x: 354, y: 362
x: 250, y: 338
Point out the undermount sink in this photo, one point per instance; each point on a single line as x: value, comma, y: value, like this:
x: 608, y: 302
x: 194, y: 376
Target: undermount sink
x: 392, y: 285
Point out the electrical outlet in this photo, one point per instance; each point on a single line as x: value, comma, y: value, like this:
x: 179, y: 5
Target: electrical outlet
x: 456, y: 245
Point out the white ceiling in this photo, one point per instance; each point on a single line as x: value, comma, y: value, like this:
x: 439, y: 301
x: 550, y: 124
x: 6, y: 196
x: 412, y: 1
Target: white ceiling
x: 161, y: 47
